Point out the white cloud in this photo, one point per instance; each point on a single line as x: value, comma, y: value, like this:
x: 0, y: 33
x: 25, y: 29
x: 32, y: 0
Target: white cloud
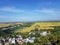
x: 48, y: 11
x: 23, y: 18
x: 10, y: 18
x: 15, y: 10
x: 11, y: 9
x: 4, y: 17
x: 20, y: 18
x: 30, y: 12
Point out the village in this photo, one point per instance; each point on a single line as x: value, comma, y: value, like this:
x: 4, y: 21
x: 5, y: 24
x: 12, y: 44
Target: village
x: 35, y: 36
x: 18, y: 39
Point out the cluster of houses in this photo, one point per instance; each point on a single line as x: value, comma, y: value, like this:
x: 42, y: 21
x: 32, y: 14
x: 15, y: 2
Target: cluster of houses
x: 42, y: 33
x: 15, y: 40
x: 20, y: 40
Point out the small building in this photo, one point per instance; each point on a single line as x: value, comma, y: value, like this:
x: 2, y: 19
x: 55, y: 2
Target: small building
x: 44, y: 33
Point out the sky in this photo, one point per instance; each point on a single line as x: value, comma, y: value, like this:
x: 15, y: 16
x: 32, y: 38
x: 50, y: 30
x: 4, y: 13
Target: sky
x: 29, y: 10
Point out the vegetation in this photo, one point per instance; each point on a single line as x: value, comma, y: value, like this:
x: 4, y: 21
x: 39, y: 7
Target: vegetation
x: 53, y: 27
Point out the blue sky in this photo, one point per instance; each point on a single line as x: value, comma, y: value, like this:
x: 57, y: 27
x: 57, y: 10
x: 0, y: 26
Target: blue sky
x: 29, y: 10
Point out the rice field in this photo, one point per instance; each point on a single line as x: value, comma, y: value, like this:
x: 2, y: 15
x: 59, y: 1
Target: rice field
x: 41, y: 26
x: 6, y: 25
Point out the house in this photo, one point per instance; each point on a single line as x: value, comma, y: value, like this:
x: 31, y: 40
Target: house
x: 44, y: 33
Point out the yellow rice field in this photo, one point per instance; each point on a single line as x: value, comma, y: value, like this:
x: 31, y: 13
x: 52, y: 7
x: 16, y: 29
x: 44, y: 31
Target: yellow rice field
x: 42, y: 25
x: 5, y: 25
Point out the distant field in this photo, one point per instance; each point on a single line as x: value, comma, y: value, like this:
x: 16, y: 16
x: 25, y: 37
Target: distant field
x: 8, y: 24
x: 5, y: 25
x: 41, y: 26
